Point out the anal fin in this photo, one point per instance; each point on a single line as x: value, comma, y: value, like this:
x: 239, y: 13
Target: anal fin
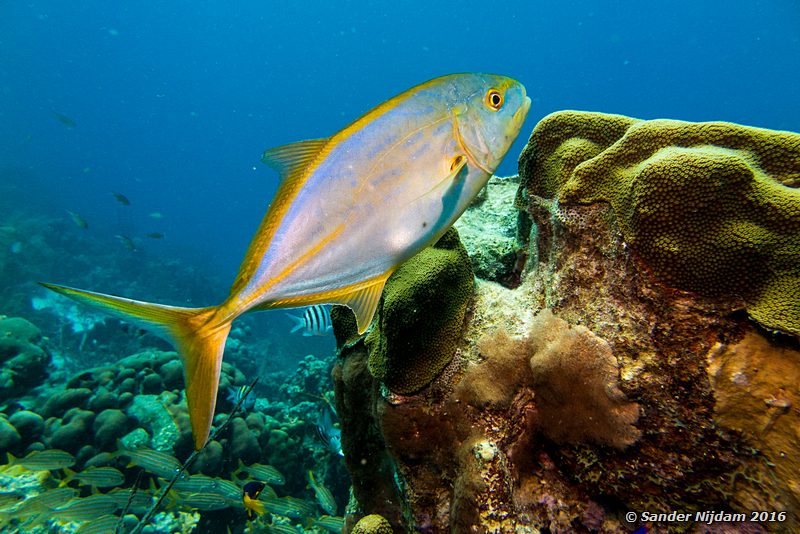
x: 364, y: 301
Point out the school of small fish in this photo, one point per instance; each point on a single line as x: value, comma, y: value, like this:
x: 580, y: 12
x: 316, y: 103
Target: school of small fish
x: 93, y: 498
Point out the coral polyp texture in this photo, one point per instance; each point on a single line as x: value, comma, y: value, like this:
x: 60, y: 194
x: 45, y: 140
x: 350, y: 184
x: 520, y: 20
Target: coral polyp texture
x: 421, y: 315
x: 711, y: 208
x: 575, y: 377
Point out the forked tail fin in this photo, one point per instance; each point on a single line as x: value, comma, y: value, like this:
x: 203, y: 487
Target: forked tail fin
x: 298, y: 322
x: 199, y: 339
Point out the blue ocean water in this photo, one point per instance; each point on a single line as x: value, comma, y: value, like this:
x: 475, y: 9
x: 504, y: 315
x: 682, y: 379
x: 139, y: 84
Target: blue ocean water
x: 173, y: 102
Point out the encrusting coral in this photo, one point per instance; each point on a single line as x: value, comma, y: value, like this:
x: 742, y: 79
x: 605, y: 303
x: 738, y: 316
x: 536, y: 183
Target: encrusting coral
x: 757, y: 390
x: 420, y: 317
x: 711, y: 208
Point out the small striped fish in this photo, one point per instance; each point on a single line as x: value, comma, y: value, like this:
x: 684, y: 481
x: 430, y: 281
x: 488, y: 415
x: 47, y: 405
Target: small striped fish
x: 46, y: 460
x: 45, y: 501
x: 204, y: 501
x: 86, y: 508
x: 99, y: 477
x: 207, y: 484
x: 238, y: 394
x: 324, y: 496
x: 315, y: 321
x: 99, y: 525
x: 262, y: 473
x: 155, y: 462
x: 330, y: 523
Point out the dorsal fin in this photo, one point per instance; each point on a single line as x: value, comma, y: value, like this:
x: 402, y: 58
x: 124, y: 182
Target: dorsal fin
x: 289, y: 159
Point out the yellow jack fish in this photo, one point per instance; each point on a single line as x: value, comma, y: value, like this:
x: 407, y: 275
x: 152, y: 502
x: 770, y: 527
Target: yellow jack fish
x: 350, y: 210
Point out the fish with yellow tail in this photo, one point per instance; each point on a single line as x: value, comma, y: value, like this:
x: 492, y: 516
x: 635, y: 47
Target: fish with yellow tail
x: 252, y: 506
x: 350, y: 210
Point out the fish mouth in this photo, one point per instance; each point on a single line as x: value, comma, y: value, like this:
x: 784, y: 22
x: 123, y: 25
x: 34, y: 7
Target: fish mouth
x: 522, y: 112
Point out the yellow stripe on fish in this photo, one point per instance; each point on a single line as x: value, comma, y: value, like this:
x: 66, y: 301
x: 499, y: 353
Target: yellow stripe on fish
x: 350, y: 210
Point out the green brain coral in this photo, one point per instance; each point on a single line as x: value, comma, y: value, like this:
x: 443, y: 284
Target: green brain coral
x: 711, y: 208
x: 421, y: 315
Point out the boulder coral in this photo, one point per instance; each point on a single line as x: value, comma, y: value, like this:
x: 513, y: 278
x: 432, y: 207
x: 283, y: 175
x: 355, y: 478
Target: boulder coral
x: 711, y: 208
x: 23, y: 358
x: 372, y: 524
x: 419, y: 319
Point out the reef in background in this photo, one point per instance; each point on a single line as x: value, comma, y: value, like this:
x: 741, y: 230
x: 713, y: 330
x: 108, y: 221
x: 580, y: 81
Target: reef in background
x: 103, y: 416
x: 623, y: 372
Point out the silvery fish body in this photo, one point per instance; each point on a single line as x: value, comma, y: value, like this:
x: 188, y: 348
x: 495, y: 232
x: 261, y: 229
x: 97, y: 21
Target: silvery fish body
x: 379, y: 191
x: 351, y: 209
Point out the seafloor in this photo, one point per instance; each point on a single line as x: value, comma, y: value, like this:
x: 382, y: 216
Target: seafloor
x: 608, y: 342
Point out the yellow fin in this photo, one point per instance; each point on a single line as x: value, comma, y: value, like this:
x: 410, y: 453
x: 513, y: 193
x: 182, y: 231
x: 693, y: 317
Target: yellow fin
x: 289, y: 159
x: 364, y: 302
x: 200, y: 342
x: 202, y: 360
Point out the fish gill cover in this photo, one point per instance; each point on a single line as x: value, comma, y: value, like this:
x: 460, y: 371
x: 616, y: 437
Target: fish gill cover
x: 129, y: 164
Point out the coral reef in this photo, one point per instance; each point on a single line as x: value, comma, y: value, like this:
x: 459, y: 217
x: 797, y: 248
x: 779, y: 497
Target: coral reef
x: 23, y: 358
x: 709, y: 207
x: 756, y: 386
x: 488, y: 231
x: 601, y: 385
x: 417, y: 328
x: 100, y: 413
x: 575, y: 380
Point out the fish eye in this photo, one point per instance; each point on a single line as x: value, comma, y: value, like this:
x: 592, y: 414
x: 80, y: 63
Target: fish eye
x: 494, y: 99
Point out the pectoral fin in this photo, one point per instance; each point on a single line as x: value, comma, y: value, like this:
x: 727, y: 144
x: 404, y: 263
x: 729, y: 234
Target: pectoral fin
x: 443, y: 185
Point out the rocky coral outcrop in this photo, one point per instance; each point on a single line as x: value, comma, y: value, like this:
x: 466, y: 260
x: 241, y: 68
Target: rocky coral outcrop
x: 419, y: 319
x: 606, y: 382
x: 140, y: 402
x: 488, y: 230
x: 23, y: 357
